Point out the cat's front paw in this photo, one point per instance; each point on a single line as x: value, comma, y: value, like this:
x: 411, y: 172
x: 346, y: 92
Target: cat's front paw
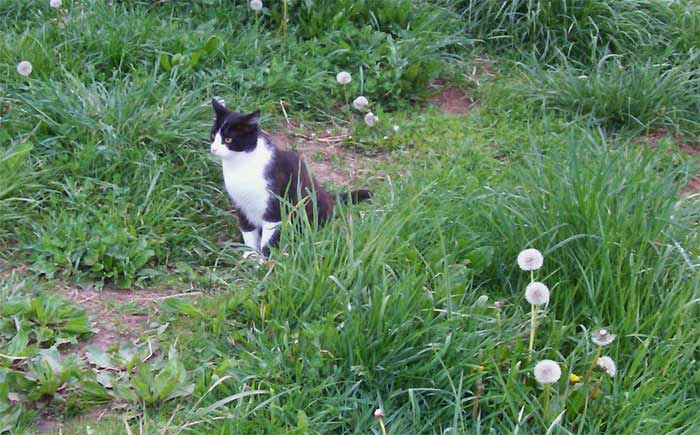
x: 255, y: 256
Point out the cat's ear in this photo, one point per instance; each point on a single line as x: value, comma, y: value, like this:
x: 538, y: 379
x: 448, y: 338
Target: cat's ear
x: 219, y: 108
x: 253, y: 118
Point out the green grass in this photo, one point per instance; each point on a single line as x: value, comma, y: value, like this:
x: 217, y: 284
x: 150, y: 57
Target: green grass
x: 412, y: 303
x: 637, y: 96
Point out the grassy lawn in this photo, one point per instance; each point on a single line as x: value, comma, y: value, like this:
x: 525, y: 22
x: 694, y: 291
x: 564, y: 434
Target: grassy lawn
x: 570, y: 127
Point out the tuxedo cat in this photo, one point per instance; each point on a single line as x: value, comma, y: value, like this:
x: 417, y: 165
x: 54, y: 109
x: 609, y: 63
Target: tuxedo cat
x: 257, y: 174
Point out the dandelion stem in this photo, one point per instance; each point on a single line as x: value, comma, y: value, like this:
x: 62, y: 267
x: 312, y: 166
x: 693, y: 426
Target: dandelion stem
x: 381, y: 425
x: 590, y: 370
x: 347, y: 106
x: 547, y: 391
x: 286, y: 19
x: 595, y: 388
x: 283, y: 24
x: 533, y: 328
x: 475, y: 407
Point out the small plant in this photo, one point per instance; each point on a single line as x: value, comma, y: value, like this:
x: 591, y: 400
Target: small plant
x: 189, y: 59
x: 104, y: 251
x: 37, y: 368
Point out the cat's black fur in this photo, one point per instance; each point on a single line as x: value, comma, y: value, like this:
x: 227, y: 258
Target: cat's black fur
x: 288, y: 178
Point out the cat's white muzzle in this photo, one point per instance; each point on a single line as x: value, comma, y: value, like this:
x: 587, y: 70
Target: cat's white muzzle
x: 218, y: 150
x: 217, y: 146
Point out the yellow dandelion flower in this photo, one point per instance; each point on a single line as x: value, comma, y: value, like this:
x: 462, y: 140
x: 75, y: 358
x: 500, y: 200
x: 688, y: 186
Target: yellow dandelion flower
x: 574, y: 378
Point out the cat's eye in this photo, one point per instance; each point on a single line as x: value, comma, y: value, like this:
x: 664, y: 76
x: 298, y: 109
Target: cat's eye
x: 227, y: 140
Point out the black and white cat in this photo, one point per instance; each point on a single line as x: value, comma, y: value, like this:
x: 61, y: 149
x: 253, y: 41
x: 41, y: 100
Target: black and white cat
x: 257, y: 174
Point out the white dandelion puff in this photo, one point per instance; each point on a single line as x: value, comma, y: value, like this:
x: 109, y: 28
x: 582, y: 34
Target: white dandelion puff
x: 537, y: 293
x: 256, y: 5
x: 360, y: 103
x: 547, y: 371
x: 343, y: 77
x: 530, y: 259
x: 602, y: 337
x: 24, y: 68
x: 396, y: 128
x: 379, y: 413
x: 371, y: 119
x: 55, y: 4
x: 606, y: 363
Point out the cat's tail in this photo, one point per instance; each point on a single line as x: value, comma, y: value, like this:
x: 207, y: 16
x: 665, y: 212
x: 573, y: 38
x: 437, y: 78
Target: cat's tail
x: 354, y: 197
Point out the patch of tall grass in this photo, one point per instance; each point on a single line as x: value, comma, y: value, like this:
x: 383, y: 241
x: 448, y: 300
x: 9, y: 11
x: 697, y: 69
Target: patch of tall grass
x: 582, y: 31
x: 629, y: 64
x: 616, y: 94
x: 384, y: 307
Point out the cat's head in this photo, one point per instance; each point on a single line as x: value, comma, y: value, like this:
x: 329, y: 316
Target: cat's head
x: 233, y: 132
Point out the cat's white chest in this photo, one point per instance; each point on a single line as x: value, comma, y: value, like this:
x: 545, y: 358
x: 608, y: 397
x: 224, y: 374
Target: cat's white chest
x: 244, y: 178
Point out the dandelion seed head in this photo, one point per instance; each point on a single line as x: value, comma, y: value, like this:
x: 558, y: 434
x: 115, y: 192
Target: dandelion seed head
x: 55, y: 4
x: 547, y: 371
x: 371, y: 119
x: 602, y: 337
x: 379, y: 413
x: 537, y: 293
x: 343, y: 77
x: 24, y: 68
x: 530, y: 259
x: 396, y: 128
x: 360, y: 103
x: 606, y: 363
x: 256, y: 5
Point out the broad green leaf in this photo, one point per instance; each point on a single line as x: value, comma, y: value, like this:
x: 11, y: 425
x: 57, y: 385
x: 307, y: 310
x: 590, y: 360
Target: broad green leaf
x: 177, y: 59
x: 212, y: 44
x: 99, y: 358
x: 183, y: 306
x: 165, y: 62
x: 194, y: 58
x: 180, y: 390
x: 122, y: 391
x: 78, y: 325
x: 105, y: 378
x: 51, y: 357
x: 94, y: 391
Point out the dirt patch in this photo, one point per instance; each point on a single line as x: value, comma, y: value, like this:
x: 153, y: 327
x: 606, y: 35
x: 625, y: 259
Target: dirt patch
x: 693, y: 186
x: 654, y: 137
x: 336, y: 167
x: 690, y: 149
x: 454, y: 101
x: 118, y: 315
